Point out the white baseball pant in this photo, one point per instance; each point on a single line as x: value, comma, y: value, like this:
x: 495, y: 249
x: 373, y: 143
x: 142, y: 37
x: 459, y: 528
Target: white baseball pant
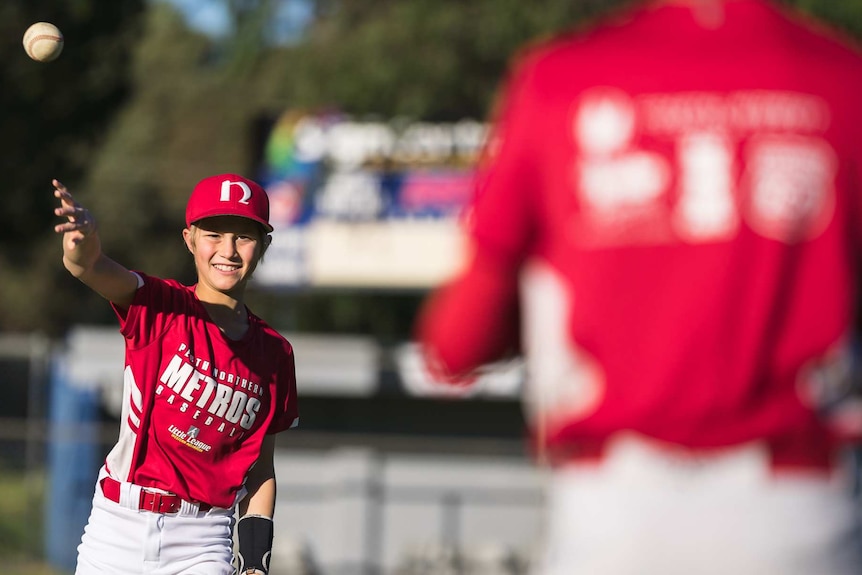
x: 644, y: 511
x: 123, y: 540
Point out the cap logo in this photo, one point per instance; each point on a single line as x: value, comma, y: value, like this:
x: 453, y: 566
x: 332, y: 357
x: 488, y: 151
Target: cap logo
x: 226, y: 189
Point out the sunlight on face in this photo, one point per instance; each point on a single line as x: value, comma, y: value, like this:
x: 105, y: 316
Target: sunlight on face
x: 226, y: 251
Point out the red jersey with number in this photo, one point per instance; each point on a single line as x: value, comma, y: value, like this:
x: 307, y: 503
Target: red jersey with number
x: 678, y: 195
x: 196, y: 404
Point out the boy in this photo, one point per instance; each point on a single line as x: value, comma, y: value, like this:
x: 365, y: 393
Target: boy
x: 207, y: 385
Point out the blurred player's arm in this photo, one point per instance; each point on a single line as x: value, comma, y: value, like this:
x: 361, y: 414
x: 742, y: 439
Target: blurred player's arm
x: 474, y: 319
x: 255, y: 527
x: 83, y: 256
x: 471, y: 321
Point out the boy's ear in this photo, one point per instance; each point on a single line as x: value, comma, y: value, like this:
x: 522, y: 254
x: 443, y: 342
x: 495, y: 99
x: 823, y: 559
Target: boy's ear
x: 188, y: 239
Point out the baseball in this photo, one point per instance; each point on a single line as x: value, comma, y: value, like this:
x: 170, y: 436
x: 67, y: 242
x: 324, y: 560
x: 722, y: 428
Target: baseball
x: 43, y: 41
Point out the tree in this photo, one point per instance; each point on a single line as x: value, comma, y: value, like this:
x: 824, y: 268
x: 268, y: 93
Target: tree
x: 139, y: 107
x: 195, y: 101
x: 54, y: 117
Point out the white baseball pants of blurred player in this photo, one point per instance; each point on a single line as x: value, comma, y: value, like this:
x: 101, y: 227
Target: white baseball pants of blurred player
x: 643, y: 511
x: 123, y: 540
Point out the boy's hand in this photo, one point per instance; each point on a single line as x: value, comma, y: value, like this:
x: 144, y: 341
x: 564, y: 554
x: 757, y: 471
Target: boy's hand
x: 80, y: 223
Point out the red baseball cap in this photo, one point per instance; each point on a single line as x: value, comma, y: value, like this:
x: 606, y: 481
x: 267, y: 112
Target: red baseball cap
x: 228, y: 195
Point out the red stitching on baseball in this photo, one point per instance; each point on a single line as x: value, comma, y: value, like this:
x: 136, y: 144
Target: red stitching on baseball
x: 43, y: 37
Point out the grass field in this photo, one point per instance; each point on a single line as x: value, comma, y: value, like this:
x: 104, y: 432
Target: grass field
x: 21, y: 523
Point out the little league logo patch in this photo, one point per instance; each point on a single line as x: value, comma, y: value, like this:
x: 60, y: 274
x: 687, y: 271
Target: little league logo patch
x: 189, y: 438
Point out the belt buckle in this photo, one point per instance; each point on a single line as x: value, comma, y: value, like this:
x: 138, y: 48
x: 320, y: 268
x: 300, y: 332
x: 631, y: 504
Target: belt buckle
x: 155, y: 502
x: 160, y: 500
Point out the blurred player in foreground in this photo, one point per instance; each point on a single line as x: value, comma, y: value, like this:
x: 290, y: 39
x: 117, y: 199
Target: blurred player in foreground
x: 207, y: 385
x: 669, y: 219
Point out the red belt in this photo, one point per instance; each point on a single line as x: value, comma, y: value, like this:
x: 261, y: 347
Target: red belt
x: 149, y: 500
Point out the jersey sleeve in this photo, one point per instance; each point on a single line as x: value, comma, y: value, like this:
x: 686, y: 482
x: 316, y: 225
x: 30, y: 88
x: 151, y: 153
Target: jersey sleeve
x: 855, y: 187
x: 286, y: 403
x: 501, y: 216
x: 470, y: 322
x: 152, y: 310
x: 473, y: 319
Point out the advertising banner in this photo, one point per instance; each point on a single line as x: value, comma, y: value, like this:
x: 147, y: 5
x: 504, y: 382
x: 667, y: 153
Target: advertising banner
x: 366, y: 204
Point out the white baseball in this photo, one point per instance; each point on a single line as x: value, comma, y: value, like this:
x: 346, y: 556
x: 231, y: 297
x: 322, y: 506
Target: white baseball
x: 43, y: 41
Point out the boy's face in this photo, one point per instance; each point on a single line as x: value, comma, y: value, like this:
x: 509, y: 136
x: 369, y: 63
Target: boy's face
x: 226, y: 250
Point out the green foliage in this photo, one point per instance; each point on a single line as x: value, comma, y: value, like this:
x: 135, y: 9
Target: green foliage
x: 189, y: 117
x: 138, y: 108
x: 53, y: 118
x: 20, y: 516
x: 22, y: 506
x: 844, y: 15
x: 431, y: 59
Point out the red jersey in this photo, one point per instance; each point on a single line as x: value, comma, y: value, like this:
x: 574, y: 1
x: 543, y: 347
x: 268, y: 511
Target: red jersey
x: 679, y: 201
x: 196, y: 404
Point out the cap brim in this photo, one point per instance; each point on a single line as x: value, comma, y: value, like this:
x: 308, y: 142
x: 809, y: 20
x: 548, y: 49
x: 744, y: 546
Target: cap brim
x: 217, y: 213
